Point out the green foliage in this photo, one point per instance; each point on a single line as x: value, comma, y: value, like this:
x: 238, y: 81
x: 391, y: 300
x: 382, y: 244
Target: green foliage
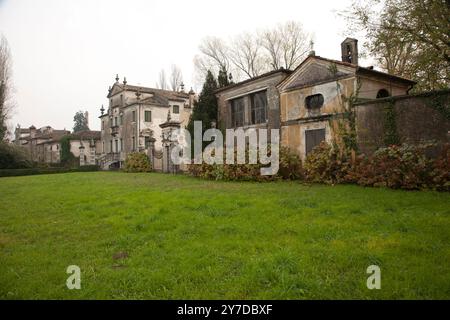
x: 440, y: 103
x: 205, y: 109
x: 407, y: 38
x: 390, y: 125
x: 290, y: 168
x: 405, y: 167
x: 346, y: 125
x: 137, y: 162
x: 66, y: 156
x: 13, y: 157
x: 207, y: 239
x: 398, y: 167
x: 222, y: 79
x: 44, y: 170
x: 326, y: 164
x: 290, y: 165
x: 80, y: 122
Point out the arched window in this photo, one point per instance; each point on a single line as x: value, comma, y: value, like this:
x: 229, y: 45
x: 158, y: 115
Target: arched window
x: 383, y: 93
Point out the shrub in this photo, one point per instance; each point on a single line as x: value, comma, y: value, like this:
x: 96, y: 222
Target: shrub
x: 137, y: 162
x: 289, y: 168
x: 327, y: 164
x: 290, y: 165
x: 13, y: 157
x: 403, y: 166
x: 439, y: 177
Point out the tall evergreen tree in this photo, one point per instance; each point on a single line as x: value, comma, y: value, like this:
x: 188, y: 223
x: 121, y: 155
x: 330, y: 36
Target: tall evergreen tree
x: 205, y: 109
x: 222, y: 79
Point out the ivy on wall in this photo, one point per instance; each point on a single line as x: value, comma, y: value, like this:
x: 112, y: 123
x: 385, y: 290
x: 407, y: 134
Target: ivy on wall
x: 66, y: 157
x: 390, y: 124
x: 439, y: 102
x: 347, y: 125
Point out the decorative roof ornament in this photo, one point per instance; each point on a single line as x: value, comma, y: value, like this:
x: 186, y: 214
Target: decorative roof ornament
x: 102, y: 110
x: 191, y: 91
x: 138, y: 95
x: 125, y: 80
x: 182, y: 86
x: 117, y: 77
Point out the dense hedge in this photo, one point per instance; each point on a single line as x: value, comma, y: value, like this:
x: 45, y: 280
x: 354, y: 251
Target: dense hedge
x: 34, y: 171
x: 290, y: 168
x: 399, y: 167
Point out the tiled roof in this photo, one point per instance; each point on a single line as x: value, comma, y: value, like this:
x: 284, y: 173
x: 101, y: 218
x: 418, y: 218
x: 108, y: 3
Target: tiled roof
x: 170, y: 95
x: 53, y: 136
x: 86, y: 135
x: 255, y: 78
x: 357, y: 68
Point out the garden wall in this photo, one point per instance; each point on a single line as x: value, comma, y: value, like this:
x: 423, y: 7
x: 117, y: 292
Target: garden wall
x: 403, y: 119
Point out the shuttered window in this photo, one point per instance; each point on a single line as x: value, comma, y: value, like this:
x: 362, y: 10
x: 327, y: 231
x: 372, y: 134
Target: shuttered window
x: 148, y: 116
x: 313, y: 138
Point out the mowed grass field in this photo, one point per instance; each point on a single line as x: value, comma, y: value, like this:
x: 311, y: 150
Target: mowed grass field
x: 156, y: 236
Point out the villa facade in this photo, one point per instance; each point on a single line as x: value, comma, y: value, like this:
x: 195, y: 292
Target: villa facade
x: 131, y: 123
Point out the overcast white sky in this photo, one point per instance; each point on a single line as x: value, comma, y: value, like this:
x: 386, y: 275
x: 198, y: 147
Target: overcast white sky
x: 67, y: 52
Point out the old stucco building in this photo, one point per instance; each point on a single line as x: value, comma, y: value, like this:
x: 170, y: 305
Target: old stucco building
x: 306, y: 103
x: 253, y: 103
x: 133, y: 118
x: 318, y: 92
x: 44, y: 144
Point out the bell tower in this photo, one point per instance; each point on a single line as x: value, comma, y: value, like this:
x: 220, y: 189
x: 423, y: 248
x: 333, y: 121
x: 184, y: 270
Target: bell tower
x: 349, y: 49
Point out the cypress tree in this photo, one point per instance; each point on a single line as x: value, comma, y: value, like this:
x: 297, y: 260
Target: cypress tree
x: 205, y: 109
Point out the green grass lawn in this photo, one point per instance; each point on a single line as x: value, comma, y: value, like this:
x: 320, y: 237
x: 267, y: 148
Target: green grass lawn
x: 181, y: 237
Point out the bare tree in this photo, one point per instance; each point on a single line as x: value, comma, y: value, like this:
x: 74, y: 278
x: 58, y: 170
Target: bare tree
x: 246, y: 54
x: 215, y: 55
x: 176, y: 78
x: 286, y: 45
x: 271, y: 41
x: 5, y: 86
x: 162, y: 82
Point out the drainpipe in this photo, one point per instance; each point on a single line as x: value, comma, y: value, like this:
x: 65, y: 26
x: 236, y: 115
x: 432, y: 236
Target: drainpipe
x: 410, y: 87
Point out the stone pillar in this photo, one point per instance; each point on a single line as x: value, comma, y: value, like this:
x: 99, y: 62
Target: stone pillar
x: 82, y: 162
x: 168, y: 143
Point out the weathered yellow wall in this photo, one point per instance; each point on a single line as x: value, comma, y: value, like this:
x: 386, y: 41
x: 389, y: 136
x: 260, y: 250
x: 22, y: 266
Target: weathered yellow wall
x: 293, y: 109
x: 293, y: 102
x: 369, y: 88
